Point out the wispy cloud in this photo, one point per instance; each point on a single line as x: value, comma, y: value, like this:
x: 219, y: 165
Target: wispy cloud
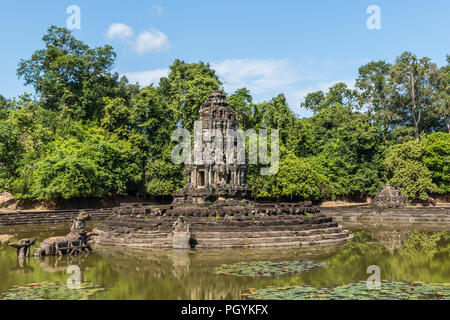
x: 265, y: 78
x: 258, y: 75
x: 146, y: 41
x: 146, y: 78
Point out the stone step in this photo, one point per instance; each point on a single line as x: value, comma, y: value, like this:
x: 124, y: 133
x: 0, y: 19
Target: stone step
x: 258, y: 234
x: 325, y: 242
x: 286, y: 239
x: 297, y: 227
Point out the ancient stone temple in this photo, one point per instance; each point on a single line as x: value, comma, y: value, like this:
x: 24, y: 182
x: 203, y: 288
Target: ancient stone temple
x: 217, y: 181
x: 389, y: 197
x: 214, y: 209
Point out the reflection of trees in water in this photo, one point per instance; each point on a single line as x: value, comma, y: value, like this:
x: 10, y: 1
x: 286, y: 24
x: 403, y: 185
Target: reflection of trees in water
x: 423, y: 257
x: 391, y: 234
x: 188, y: 274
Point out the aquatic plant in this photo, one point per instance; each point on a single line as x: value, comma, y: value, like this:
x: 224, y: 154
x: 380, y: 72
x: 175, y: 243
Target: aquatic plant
x: 389, y: 290
x: 267, y: 268
x: 51, y: 291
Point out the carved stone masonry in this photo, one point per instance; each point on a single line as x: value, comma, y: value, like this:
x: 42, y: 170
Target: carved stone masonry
x: 181, y: 234
x: 218, y: 181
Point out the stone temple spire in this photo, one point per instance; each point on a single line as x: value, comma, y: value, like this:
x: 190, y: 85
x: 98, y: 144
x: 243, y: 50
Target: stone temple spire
x: 218, y: 181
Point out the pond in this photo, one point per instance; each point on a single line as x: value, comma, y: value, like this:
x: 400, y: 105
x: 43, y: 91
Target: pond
x: 401, y: 254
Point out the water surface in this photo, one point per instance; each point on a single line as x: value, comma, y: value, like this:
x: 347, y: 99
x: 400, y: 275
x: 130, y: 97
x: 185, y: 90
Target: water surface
x: 401, y: 252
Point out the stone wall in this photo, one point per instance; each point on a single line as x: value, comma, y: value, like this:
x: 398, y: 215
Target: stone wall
x: 365, y: 213
x: 45, y: 217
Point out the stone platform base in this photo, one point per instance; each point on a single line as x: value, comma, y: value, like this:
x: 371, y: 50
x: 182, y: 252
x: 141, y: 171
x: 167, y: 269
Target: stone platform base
x: 256, y: 225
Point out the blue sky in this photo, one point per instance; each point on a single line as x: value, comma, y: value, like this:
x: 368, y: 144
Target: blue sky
x: 291, y: 47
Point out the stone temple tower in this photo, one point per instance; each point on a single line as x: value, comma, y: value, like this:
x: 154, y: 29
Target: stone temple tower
x: 217, y: 182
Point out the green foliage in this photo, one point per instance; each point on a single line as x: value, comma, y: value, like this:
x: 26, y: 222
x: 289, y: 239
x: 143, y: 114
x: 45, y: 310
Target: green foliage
x: 342, y: 146
x: 337, y: 94
x: 186, y: 88
x: 436, y: 156
x: 71, y: 77
x: 93, y: 165
x: 90, y: 133
x: 242, y: 102
x: 415, y: 86
x: 373, y: 83
x: 407, y: 171
x: 296, y: 179
x: 163, y: 177
x: 10, y: 151
x: 276, y: 114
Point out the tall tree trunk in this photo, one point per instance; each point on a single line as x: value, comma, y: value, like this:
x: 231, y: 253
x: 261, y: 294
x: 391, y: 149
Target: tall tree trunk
x: 414, y: 108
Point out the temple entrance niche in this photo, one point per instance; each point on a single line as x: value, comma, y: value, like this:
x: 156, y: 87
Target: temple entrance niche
x: 201, y: 179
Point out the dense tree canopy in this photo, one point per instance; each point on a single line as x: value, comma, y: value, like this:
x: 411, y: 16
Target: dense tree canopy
x: 90, y: 133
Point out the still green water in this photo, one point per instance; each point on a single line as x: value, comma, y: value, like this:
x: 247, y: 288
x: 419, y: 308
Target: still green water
x: 401, y: 252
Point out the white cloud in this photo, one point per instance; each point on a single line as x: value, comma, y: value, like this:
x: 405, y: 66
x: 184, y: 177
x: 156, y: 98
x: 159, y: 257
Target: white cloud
x: 151, y: 41
x: 119, y: 30
x: 265, y: 78
x: 145, y: 78
x: 146, y: 41
x: 258, y: 75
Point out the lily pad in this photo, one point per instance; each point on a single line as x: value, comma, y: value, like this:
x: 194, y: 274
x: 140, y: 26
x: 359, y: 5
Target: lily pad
x: 267, y: 268
x: 391, y: 290
x: 51, y: 291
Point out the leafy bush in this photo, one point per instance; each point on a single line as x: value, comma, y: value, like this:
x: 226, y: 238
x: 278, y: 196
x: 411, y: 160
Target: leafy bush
x: 407, y: 172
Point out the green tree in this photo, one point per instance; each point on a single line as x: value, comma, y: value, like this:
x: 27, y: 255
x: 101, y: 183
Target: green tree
x: 242, y: 103
x: 436, y: 156
x: 71, y: 77
x: 314, y: 101
x: 296, y: 179
x: 372, y: 82
x: 275, y: 114
x: 154, y: 119
x: 95, y: 165
x: 414, y: 98
x: 345, y: 148
x: 338, y: 93
x: 11, y: 151
x: 407, y: 171
x: 186, y: 88
x: 163, y: 177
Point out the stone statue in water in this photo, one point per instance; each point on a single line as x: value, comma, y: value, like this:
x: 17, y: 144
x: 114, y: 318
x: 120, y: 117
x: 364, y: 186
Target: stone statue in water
x: 76, y: 242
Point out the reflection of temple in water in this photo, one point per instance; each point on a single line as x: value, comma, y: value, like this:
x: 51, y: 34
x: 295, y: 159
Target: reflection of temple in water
x: 392, y: 239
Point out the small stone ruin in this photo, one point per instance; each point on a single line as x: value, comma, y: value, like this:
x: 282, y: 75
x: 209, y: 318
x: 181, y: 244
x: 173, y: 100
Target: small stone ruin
x: 389, y: 197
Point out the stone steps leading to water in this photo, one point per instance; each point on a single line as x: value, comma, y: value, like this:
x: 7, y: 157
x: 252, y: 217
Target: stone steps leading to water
x: 230, y: 239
